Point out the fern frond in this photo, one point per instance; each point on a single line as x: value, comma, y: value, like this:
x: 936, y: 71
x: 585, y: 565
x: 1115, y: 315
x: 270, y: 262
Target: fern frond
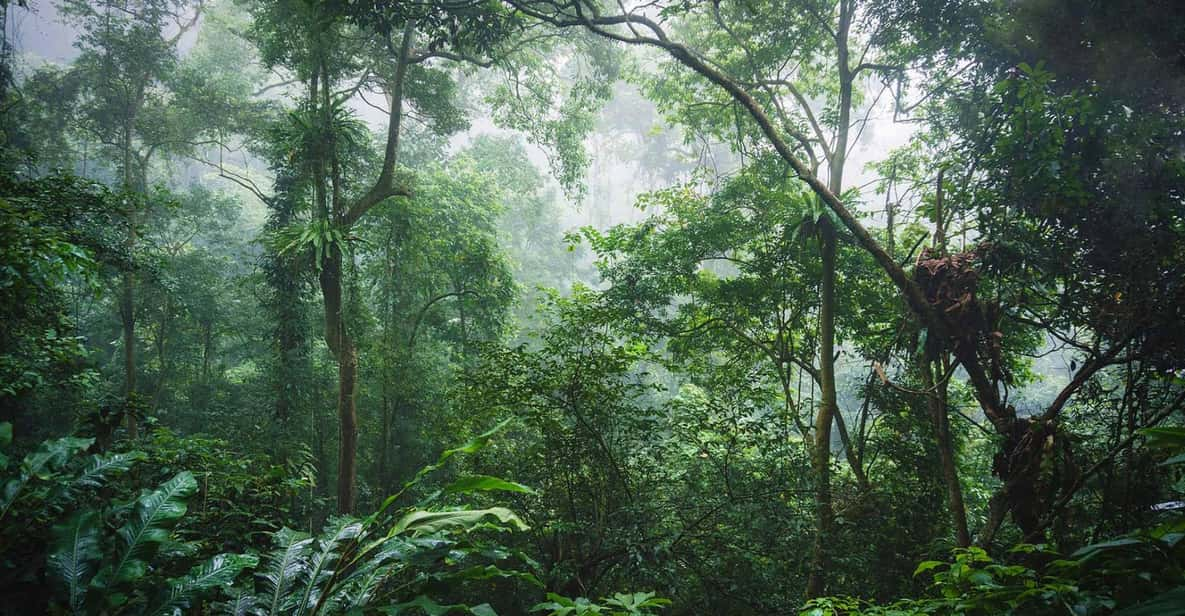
x: 318, y: 584
x: 221, y: 570
x: 286, y: 565
x: 244, y: 604
x: 75, y: 556
x: 98, y: 468
x: 148, y: 528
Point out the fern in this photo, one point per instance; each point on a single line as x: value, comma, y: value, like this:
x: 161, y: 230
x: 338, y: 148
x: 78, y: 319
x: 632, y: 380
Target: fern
x: 75, y: 556
x: 219, y: 571
x: 319, y: 584
x: 287, y: 565
x: 244, y: 604
x: 99, y: 468
x: 354, y: 564
x: 147, y: 530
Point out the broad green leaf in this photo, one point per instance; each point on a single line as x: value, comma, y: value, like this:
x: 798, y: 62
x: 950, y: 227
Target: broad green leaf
x: 431, y: 608
x: 1170, y: 603
x: 433, y: 521
x: 75, y: 556
x: 480, y: 483
x: 148, y: 527
x: 1105, y: 545
x: 475, y: 444
x: 927, y: 565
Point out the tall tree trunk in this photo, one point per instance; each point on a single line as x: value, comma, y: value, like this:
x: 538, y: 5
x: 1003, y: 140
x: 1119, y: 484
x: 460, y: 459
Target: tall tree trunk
x: 344, y: 351
x: 127, y: 318
x: 207, y: 350
x: 829, y: 405
x: 385, y: 437
x: 828, y: 408
x: 389, y: 352
x: 331, y: 206
x: 347, y: 414
x: 936, y: 398
x: 127, y: 299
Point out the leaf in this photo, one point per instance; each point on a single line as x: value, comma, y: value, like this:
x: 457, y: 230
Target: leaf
x: 427, y: 605
x: 98, y: 467
x: 42, y: 464
x: 1177, y: 459
x: 243, y: 604
x: 286, y: 565
x: 1165, y: 438
x: 147, y: 529
x: 433, y: 521
x: 475, y: 444
x: 317, y: 588
x: 221, y: 570
x: 927, y: 565
x: 1170, y: 603
x: 52, y: 455
x: 75, y: 556
x: 1105, y: 545
x: 485, y: 483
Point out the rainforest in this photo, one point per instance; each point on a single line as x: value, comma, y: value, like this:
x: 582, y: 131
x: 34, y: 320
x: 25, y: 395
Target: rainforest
x: 576, y: 307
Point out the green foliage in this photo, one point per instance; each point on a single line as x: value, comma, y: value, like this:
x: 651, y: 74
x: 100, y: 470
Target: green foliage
x: 660, y: 411
x: 1094, y: 580
x: 52, y: 242
x: 392, y: 557
x: 620, y: 604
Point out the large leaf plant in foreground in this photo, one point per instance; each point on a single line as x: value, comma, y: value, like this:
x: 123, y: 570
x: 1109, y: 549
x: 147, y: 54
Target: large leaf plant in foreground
x: 390, y: 561
x: 97, y: 574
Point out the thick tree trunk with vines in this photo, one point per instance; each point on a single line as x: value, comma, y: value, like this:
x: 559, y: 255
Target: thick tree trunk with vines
x: 342, y: 346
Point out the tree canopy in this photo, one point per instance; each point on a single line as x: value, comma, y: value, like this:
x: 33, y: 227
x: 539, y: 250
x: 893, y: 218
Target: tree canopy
x: 825, y: 307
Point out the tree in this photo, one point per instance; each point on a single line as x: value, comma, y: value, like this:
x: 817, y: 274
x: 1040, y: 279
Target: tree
x: 770, y: 62
x: 127, y: 55
x: 969, y: 339
x: 405, y: 42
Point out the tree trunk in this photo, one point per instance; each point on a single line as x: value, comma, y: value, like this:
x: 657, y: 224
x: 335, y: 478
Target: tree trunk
x: 127, y: 299
x: 347, y: 413
x: 342, y: 347
x: 937, y: 400
x: 127, y: 318
x: 207, y: 350
x: 939, y: 413
x: 828, y: 407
